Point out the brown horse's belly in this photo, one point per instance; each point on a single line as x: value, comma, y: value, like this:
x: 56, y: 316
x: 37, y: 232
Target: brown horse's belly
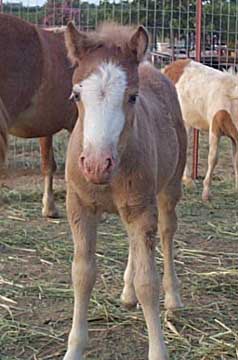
x: 34, y: 123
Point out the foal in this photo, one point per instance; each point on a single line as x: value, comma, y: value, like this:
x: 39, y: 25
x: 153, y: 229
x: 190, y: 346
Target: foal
x: 126, y: 155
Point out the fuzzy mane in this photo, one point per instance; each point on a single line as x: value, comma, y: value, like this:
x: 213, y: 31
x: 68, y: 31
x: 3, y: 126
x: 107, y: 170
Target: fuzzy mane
x: 231, y: 71
x: 111, y: 32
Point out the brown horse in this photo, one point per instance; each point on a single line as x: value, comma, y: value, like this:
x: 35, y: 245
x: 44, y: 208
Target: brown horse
x: 126, y: 155
x: 35, y: 85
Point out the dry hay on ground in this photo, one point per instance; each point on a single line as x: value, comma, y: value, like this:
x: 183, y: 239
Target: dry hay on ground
x: 36, y: 295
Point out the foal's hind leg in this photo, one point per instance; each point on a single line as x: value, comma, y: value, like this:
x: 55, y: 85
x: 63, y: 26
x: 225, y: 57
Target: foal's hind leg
x: 141, y: 225
x: 48, y: 167
x: 83, y: 222
x: 128, y: 296
x: 168, y: 226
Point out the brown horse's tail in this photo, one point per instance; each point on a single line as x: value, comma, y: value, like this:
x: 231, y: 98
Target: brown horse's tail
x: 4, y: 121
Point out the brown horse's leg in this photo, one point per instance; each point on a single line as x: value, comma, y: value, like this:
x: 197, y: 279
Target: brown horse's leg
x: 142, y: 229
x: 83, y: 224
x: 48, y: 167
x: 168, y: 226
x: 128, y: 296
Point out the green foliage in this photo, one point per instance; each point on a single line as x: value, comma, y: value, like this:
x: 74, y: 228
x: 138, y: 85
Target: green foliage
x: 163, y: 18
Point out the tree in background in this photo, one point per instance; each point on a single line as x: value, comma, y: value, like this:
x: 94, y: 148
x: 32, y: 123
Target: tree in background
x: 166, y: 20
x: 60, y: 12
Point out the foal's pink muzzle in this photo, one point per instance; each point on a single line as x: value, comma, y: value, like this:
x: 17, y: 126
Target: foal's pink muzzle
x: 97, y: 169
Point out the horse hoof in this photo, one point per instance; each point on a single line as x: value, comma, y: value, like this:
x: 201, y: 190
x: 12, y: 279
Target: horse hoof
x: 130, y: 302
x: 189, y: 183
x: 206, y: 197
x: 73, y: 355
x: 50, y: 213
x: 173, y: 302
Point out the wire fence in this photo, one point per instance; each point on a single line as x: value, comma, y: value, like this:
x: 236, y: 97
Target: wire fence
x: 172, y: 26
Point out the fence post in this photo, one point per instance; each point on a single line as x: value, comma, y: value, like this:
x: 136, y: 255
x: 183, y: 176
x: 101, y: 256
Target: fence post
x: 198, y: 58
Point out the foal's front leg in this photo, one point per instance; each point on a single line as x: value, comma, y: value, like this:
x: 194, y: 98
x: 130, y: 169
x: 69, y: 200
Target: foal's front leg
x: 142, y: 228
x: 83, y: 224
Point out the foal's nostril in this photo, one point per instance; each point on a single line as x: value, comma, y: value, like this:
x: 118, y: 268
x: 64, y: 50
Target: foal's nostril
x: 82, y: 159
x: 108, y: 163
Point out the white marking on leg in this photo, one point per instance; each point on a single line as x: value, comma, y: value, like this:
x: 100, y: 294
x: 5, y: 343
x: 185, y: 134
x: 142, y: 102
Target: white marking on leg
x: 49, y: 208
x: 128, y: 296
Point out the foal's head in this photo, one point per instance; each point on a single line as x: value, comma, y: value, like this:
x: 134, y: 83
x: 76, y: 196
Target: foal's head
x: 105, y: 88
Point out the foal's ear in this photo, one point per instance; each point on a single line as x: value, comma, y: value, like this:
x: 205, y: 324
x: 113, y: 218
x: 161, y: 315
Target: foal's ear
x: 139, y: 42
x: 73, y: 41
x: 77, y: 42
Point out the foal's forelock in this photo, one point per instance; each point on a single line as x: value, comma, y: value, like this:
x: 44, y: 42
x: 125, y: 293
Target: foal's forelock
x: 102, y: 95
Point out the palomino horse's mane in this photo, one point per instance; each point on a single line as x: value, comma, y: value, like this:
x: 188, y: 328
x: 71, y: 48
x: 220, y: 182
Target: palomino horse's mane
x: 231, y: 71
x: 233, y: 79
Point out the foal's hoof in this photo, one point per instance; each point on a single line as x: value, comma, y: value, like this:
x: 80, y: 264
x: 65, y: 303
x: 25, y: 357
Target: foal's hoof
x: 73, y: 355
x: 130, y: 302
x: 188, y: 182
x: 206, y: 196
x: 50, y: 213
x: 173, y: 302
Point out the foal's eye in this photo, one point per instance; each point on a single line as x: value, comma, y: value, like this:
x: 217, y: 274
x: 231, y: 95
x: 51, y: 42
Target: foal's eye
x: 132, y: 99
x: 75, y: 96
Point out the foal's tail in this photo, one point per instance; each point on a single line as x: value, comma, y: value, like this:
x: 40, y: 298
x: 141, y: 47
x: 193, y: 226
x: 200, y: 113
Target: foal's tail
x: 4, y: 121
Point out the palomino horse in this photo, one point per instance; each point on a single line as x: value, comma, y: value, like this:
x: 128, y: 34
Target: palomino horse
x: 126, y: 155
x: 35, y: 84
x: 209, y: 101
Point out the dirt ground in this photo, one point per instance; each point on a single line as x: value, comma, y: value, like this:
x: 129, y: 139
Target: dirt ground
x: 36, y: 297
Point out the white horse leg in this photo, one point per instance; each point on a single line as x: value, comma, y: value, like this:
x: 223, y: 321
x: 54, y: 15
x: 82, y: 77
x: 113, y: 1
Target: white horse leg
x: 187, y: 175
x: 212, y: 161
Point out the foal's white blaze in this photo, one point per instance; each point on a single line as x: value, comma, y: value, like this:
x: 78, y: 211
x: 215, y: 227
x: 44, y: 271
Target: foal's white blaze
x: 102, y: 95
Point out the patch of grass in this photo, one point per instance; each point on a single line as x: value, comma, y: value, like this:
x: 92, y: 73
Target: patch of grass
x: 36, y: 295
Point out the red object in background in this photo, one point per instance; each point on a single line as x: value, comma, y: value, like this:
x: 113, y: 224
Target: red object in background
x: 198, y: 58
